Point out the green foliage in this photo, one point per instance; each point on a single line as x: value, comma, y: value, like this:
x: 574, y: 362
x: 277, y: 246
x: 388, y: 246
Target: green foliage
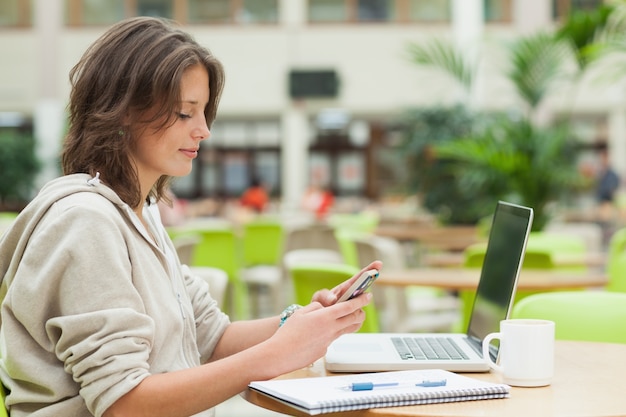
x: 517, y: 162
x: 461, y: 162
x: 18, y: 166
x: 444, y: 56
x: 442, y: 188
x: 582, y: 28
x: 607, y: 49
x: 536, y: 61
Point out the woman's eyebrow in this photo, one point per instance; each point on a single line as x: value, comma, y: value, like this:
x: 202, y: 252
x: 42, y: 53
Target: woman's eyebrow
x: 191, y: 101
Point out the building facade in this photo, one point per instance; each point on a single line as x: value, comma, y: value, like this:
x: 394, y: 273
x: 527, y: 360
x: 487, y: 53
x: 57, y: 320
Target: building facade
x: 313, y: 86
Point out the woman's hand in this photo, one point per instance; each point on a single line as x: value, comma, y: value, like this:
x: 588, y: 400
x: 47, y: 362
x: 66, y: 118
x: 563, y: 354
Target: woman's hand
x: 328, y: 297
x: 305, y: 336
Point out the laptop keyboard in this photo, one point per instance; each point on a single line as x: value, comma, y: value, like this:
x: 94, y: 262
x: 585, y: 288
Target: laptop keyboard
x: 425, y: 348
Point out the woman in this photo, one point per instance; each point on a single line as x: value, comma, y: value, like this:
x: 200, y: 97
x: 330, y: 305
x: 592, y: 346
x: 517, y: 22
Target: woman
x: 99, y: 317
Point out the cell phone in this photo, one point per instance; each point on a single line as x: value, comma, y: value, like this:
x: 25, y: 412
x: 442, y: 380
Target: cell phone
x: 359, y: 286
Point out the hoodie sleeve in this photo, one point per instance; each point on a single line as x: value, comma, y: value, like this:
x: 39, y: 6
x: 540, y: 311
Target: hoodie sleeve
x: 211, y: 322
x: 74, y: 293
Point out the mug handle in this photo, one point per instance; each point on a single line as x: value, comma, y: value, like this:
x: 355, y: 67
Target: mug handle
x: 486, y: 341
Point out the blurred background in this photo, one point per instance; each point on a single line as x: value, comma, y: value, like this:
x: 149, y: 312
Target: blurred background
x: 358, y: 129
x: 355, y: 96
x: 417, y: 115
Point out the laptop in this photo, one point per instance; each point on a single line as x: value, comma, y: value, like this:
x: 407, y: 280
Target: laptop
x: 457, y: 352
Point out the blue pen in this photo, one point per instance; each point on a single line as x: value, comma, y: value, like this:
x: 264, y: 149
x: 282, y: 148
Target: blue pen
x: 369, y: 386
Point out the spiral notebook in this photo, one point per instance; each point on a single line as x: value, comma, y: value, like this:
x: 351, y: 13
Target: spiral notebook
x: 330, y: 394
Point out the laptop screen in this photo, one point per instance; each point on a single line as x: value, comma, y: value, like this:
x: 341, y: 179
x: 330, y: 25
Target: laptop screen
x: 503, y: 259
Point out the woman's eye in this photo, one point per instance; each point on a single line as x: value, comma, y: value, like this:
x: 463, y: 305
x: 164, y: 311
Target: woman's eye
x: 184, y: 116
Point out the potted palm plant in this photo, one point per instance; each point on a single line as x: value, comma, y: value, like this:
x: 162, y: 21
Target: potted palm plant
x: 514, y: 155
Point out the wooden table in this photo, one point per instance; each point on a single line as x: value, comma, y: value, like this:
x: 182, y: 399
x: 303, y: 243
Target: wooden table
x: 588, y: 381
x: 456, y: 259
x: 450, y: 238
x: 467, y: 278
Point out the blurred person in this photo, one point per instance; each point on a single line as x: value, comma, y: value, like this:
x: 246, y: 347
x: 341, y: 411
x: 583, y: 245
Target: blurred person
x: 99, y: 317
x: 311, y: 198
x: 255, y: 197
x: 608, y: 183
x: 318, y: 200
x: 326, y: 202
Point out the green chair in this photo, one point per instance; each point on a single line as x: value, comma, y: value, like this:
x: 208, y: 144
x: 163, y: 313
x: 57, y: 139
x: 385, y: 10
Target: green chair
x: 219, y: 248
x: 6, y: 219
x: 262, y: 247
x: 262, y: 242
x: 3, y: 409
x: 307, y: 278
x: 598, y: 316
x: 474, y: 256
x: 185, y: 245
x: 347, y: 245
x: 363, y: 222
x: 540, y: 251
x: 616, y: 262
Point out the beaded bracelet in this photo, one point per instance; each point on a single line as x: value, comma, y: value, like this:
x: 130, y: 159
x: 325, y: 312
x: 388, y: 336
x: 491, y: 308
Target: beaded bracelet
x: 288, y: 312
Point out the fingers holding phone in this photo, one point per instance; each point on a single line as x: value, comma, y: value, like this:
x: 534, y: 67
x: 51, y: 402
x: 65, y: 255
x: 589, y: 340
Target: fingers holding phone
x: 360, y: 285
x: 328, y: 297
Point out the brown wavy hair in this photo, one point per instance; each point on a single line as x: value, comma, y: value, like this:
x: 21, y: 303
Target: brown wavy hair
x: 131, y: 72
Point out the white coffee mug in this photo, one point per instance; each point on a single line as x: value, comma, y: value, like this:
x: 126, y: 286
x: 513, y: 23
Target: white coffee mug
x: 526, y: 354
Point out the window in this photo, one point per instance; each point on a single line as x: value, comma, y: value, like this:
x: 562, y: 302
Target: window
x: 351, y: 175
x: 267, y: 167
x: 324, y: 11
x: 215, y: 11
x: 94, y: 12
x: 155, y: 8
x: 238, y: 150
x: 497, y: 10
x: 561, y: 8
x: 429, y: 10
x: 258, y: 11
x: 16, y: 13
x: 328, y: 11
x: 376, y: 10
x: 100, y: 12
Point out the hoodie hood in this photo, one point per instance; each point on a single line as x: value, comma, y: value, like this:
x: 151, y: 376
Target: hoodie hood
x: 16, y: 238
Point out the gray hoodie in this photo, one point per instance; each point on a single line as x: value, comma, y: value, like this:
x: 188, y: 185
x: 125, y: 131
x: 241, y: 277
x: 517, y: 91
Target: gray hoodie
x: 91, y: 306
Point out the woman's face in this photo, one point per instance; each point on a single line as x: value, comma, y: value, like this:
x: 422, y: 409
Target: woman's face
x: 170, y: 151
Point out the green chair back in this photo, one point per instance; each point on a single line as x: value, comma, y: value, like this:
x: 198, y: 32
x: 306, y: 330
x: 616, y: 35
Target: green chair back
x: 474, y: 257
x: 262, y: 242
x: 363, y: 222
x: 3, y: 408
x: 598, y: 316
x: 540, y: 251
x: 219, y: 248
x: 307, y: 278
x: 616, y: 262
x: 347, y: 246
x: 8, y: 215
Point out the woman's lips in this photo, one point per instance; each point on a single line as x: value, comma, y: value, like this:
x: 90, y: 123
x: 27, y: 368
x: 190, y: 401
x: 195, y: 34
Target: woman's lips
x: 191, y: 153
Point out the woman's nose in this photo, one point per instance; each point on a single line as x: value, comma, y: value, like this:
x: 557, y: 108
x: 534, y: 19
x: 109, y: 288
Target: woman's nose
x: 202, y: 131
